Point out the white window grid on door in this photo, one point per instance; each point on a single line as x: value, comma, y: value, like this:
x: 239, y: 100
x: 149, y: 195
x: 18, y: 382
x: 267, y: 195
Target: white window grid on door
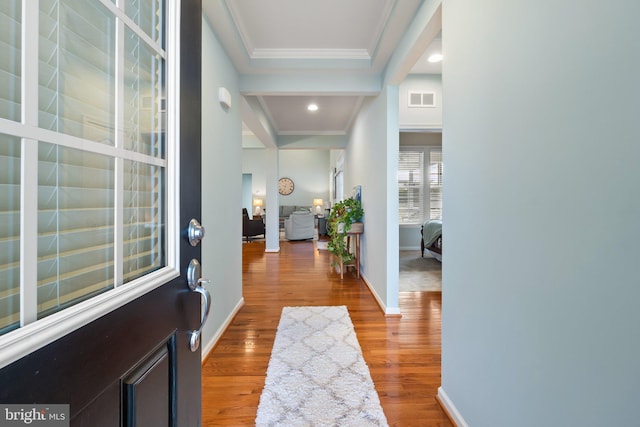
x: 37, y: 141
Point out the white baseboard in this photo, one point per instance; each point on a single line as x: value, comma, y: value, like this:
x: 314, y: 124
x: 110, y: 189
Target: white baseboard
x: 388, y: 311
x: 410, y: 248
x: 206, y: 349
x: 451, y: 409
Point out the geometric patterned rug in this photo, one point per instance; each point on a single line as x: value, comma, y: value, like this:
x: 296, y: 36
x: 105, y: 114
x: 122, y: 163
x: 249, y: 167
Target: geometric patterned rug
x: 317, y: 375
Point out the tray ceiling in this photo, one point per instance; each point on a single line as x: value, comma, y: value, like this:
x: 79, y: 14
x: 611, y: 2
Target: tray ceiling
x: 314, y: 43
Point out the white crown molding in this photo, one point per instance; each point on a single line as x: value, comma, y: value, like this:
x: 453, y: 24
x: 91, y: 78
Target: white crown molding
x: 242, y: 32
x: 351, y: 54
x: 358, y: 54
x: 313, y: 132
x: 420, y: 127
x: 259, y: 53
x: 382, y: 24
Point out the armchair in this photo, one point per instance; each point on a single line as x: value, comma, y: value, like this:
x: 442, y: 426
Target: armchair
x: 299, y: 226
x: 251, y: 227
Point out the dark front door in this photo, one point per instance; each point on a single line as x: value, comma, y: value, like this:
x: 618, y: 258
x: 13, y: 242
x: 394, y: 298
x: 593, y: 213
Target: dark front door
x: 134, y: 366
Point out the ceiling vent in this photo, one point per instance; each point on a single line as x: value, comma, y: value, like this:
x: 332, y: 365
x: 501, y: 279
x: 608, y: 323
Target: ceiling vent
x: 422, y: 99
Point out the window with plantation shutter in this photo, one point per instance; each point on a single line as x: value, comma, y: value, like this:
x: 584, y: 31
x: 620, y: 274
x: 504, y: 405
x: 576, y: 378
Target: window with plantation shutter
x: 91, y: 179
x: 10, y: 53
x: 75, y: 226
x: 435, y: 184
x: 10, y: 106
x: 419, y: 184
x: 9, y: 232
x: 411, y: 186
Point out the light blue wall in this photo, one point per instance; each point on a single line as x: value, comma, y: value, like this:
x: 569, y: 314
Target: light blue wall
x: 540, y: 272
x: 409, y: 237
x: 254, y: 163
x: 221, y: 186
x: 247, y: 193
x: 258, y: 121
x: 371, y: 160
x: 421, y: 118
x: 309, y: 170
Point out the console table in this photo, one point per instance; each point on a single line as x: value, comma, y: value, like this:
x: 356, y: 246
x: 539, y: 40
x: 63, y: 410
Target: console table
x: 356, y: 253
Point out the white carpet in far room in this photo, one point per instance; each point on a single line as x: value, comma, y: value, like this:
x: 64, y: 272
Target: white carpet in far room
x: 419, y: 274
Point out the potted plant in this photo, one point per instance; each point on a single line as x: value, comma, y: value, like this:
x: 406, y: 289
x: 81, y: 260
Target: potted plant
x: 341, y: 220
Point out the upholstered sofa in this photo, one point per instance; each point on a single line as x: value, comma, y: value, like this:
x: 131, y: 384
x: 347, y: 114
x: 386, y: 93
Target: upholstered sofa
x: 286, y: 210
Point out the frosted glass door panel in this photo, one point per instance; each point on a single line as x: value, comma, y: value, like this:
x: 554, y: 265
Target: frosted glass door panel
x: 9, y: 233
x: 10, y: 66
x: 75, y: 226
x: 77, y: 68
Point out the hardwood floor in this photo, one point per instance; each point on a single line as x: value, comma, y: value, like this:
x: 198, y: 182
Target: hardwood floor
x: 403, y: 354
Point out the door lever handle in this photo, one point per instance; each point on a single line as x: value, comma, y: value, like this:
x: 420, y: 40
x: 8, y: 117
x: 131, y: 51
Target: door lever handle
x: 194, y: 341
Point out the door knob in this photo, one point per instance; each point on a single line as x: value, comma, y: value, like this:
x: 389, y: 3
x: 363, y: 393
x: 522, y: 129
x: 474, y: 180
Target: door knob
x: 194, y: 273
x: 195, y: 232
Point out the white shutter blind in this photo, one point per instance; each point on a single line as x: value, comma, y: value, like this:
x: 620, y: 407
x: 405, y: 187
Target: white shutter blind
x: 143, y: 219
x: 9, y: 232
x: 411, y: 187
x: 145, y: 118
x: 77, y: 82
x: 77, y: 69
x: 144, y: 92
x: 10, y: 106
x: 435, y: 184
x: 148, y: 15
x: 75, y: 226
x: 10, y: 65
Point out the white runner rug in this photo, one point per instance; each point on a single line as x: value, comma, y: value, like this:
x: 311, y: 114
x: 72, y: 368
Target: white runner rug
x: 317, y: 375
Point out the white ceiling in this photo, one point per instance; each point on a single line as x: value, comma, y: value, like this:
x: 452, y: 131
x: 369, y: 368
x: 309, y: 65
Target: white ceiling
x: 313, y: 43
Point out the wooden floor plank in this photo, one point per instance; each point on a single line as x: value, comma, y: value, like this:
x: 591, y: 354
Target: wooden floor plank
x: 403, y: 354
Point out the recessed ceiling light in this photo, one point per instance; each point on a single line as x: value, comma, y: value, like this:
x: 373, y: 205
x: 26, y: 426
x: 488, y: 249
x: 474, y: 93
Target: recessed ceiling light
x: 312, y: 107
x: 436, y: 57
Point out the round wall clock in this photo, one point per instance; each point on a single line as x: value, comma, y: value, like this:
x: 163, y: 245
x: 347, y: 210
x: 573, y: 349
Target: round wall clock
x: 285, y: 186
